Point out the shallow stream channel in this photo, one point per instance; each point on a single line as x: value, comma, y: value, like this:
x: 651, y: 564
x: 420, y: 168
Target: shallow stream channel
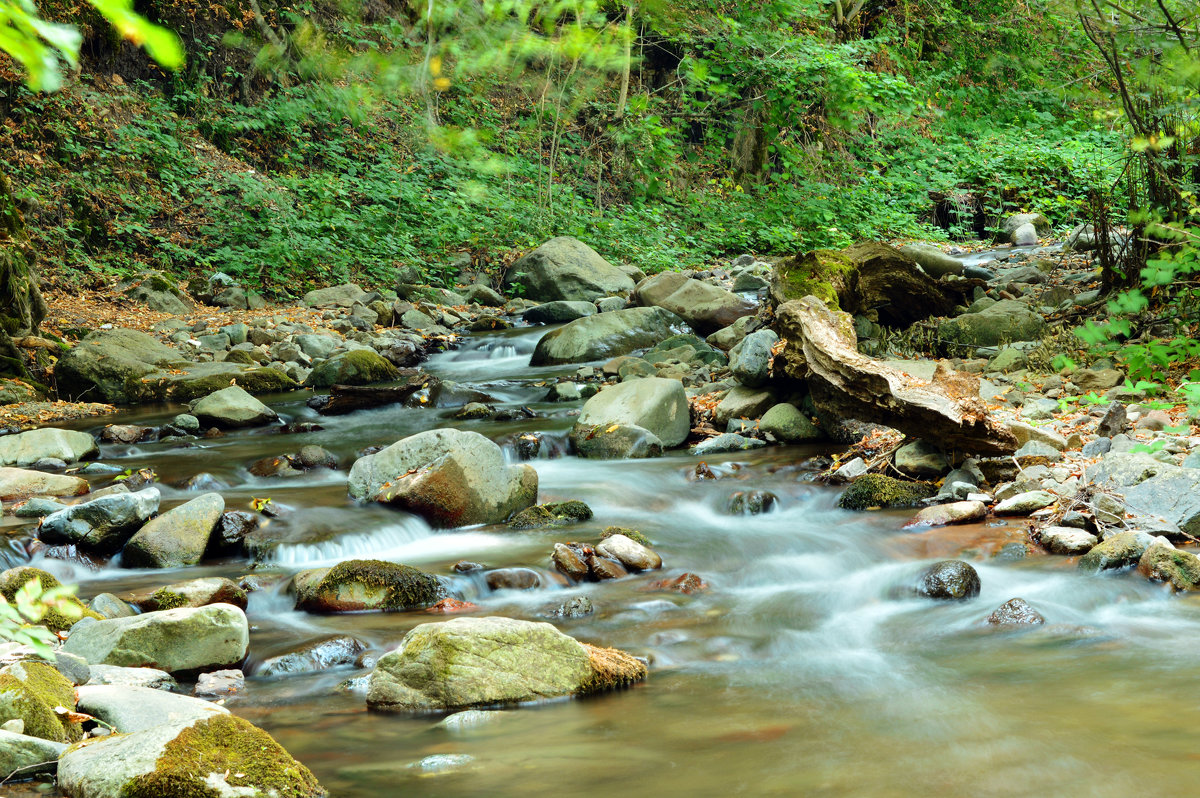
x: 805, y: 667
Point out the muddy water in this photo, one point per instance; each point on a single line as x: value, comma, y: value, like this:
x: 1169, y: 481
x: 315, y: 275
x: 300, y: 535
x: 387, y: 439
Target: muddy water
x: 803, y: 670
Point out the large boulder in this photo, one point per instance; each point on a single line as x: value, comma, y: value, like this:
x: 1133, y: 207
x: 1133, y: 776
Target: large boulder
x: 232, y: 407
x: 1007, y: 320
x: 356, y: 367
x: 450, y: 477
x: 21, y: 483
x: 357, y: 585
x: 32, y: 691
x: 154, y: 290
x: 176, y: 538
x: 343, y: 295
x: 184, y: 640
x: 221, y: 755
x: 704, y: 306
x: 558, y: 312
x: 655, y: 404
x: 128, y: 708
x: 108, y: 365
x: 469, y: 662
x: 1154, y: 488
x: 565, y: 268
x: 103, y: 524
x: 606, y: 335
x: 26, y: 448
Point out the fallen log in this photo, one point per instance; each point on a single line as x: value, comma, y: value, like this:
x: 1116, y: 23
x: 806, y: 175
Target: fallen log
x: 343, y: 399
x: 820, y: 347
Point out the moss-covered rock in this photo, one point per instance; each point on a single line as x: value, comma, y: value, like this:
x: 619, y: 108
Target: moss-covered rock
x: 196, y: 593
x: 356, y: 585
x: 877, y: 490
x: 467, y: 662
x: 31, y: 691
x: 550, y: 516
x: 632, y: 534
x: 822, y: 273
x: 215, y: 757
x: 356, y: 367
x: 55, y: 620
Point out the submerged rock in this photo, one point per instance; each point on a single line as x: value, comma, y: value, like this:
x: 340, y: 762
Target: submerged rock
x: 1015, y: 612
x: 631, y: 554
x: 469, y: 662
x: 550, y: 516
x: 318, y: 655
x: 222, y: 755
x: 606, y: 335
x: 877, y: 490
x: 449, y: 477
x: 617, y: 442
x: 232, y: 407
x: 356, y: 585
x: 949, y: 579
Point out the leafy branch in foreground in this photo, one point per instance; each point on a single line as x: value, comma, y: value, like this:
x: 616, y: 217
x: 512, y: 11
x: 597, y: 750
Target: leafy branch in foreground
x: 30, y: 604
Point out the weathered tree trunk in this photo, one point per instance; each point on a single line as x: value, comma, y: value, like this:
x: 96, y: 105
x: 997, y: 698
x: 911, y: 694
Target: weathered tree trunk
x: 21, y: 305
x: 750, y: 144
x: 820, y: 348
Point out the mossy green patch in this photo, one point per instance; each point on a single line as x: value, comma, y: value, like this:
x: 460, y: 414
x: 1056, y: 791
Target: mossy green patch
x: 877, y: 490
x: 822, y: 273
x: 632, y: 534
x: 239, y: 356
x: 239, y: 753
x: 31, y: 691
x: 404, y: 587
x: 165, y: 599
x: 14, y: 579
x: 550, y: 516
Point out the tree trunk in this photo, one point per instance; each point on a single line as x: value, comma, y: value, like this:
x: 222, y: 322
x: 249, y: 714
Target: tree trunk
x: 750, y: 144
x: 21, y: 306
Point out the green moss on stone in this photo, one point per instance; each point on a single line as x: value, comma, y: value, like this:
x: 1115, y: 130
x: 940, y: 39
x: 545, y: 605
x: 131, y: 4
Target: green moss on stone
x: 239, y: 356
x: 14, y: 579
x: 224, y: 744
x: 164, y: 599
x: 406, y: 587
x: 876, y: 490
x: 368, y: 365
x: 550, y: 516
x: 821, y: 273
x: 30, y: 690
x: 632, y: 534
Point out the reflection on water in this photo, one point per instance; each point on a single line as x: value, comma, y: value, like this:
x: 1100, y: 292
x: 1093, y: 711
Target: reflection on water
x: 803, y: 670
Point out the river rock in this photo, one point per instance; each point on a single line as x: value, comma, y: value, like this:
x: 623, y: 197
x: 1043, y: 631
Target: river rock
x: 30, y: 691
x: 920, y: 459
x: 550, y: 516
x: 1117, y: 551
x: 743, y: 402
x: 932, y: 260
x: 232, y: 407
x: 151, y: 678
x: 26, y: 756
x: 559, y: 312
x: 633, y: 555
x: 706, y: 307
x: 1067, y: 540
x: 314, y: 656
x: 470, y: 662
x: 726, y: 442
x: 750, y: 360
x: 131, y: 709
x: 1016, y: 221
x: 1005, y: 321
x: 107, y: 365
x: 1025, y: 433
x: 180, y: 640
x: 963, y: 512
x: 655, y: 404
x: 22, y: 483
x: 1016, y: 612
x: 513, y: 579
x: 103, y: 524
x: 565, y: 268
x: 1153, y: 487
x: 949, y: 579
x: 343, y: 295
x: 26, y: 448
x: 618, y: 442
x: 450, y: 477
x: 176, y: 538
x: 356, y: 367
x: 1024, y: 236
x: 1025, y: 503
x: 221, y: 755
x: 1162, y: 562
x: 878, y: 490
x: 785, y: 423
x: 196, y: 593
x: 605, y: 335
x: 357, y: 585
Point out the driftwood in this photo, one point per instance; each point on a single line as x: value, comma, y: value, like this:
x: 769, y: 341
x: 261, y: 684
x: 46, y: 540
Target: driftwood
x: 870, y: 278
x: 343, y: 399
x: 820, y: 348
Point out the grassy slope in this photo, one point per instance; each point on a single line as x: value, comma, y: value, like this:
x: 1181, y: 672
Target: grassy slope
x: 290, y: 184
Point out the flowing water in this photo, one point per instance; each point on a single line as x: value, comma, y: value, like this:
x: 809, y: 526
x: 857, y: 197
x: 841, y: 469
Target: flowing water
x: 804, y: 669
